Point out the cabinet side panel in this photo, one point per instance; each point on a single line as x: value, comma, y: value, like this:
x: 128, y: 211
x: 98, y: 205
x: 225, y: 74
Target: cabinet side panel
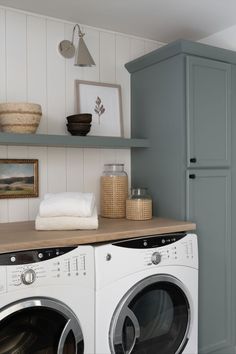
x: 233, y: 194
x: 158, y: 113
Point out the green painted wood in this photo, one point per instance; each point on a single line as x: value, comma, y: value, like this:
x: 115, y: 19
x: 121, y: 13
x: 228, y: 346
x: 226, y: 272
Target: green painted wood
x: 158, y: 111
x: 208, y: 106
x: 209, y: 205
x: 184, y: 47
x: 158, y: 103
x: 233, y: 196
x: 71, y: 141
x: 154, y: 57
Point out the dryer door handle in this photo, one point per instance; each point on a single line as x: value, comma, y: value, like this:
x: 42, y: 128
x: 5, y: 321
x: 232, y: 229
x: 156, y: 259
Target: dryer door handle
x: 118, y: 338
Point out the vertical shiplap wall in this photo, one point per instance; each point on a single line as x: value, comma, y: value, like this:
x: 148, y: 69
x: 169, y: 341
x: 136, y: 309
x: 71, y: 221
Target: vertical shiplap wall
x: 31, y: 69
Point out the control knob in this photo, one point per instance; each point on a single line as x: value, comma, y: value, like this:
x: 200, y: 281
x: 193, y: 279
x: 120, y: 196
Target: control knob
x: 156, y: 258
x: 28, y: 277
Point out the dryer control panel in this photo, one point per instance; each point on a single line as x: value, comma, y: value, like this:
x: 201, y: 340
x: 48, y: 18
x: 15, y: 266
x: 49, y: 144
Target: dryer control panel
x: 151, y: 241
x: 46, y: 267
x: 152, y: 253
x: 163, y: 249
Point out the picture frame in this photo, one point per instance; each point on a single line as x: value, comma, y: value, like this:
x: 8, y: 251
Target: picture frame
x: 104, y: 102
x: 19, y: 178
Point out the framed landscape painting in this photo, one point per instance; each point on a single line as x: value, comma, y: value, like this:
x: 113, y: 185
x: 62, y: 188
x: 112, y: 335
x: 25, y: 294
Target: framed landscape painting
x: 103, y: 101
x: 18, y: 178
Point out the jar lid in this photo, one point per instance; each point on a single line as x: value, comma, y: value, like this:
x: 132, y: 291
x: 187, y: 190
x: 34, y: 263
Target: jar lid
x: 114, y: 167
x: 140, y: 192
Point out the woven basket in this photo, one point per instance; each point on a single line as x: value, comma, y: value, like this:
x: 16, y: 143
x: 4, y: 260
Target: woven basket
x: 114, y: 191
x: 138, y: 209
x: 20, y: 117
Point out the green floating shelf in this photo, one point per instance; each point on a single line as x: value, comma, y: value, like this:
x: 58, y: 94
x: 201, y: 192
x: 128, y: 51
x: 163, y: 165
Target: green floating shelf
x: 101, y: 142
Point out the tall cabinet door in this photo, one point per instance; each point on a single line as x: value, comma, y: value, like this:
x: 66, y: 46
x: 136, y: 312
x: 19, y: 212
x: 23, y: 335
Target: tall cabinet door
x: 208, y: 109
x: 209, y: 204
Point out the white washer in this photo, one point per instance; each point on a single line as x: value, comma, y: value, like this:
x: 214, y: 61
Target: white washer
x: 47, y: 301
x: 147, y: 295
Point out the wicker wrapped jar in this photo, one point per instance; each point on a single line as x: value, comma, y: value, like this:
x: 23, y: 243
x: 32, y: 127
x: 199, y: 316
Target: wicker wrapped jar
x: 139, y: 205
x: 114, y: 191
x: 21, y: 118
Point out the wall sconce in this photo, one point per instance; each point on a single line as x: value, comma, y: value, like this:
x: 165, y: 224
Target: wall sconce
x: 82, y: 55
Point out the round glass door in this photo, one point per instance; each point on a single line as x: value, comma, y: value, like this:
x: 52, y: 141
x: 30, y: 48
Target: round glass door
x: 154, y: 317
x: 39, y: 326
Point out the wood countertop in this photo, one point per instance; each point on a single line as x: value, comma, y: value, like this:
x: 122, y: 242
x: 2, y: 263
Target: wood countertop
x: 20, y: 236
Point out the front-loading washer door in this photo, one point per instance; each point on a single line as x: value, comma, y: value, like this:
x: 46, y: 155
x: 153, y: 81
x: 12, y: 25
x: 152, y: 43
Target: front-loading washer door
x: 153, y: 317
x: 39, y: 326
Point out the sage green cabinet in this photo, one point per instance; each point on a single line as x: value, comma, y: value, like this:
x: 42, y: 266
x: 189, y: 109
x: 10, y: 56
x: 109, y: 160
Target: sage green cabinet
x: 208, y: 105
x: 183, y: 98
x: 208, y: 203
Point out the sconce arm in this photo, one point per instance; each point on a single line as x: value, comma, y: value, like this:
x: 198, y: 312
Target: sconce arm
x: 80, y: 33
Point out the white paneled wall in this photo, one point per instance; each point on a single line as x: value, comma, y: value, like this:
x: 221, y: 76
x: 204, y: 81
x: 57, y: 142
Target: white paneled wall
x: 31, y: 69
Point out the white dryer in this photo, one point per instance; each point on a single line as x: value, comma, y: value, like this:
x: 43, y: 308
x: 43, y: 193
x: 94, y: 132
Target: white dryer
x: 147, y: 295
x: 47, y: 301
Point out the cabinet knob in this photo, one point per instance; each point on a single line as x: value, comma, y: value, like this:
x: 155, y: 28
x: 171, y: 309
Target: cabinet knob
x: 192, y: 176
x: 193, y: 160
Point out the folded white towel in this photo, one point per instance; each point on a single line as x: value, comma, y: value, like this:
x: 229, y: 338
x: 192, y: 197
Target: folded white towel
x: 67, y: 204
x: 67, y: 222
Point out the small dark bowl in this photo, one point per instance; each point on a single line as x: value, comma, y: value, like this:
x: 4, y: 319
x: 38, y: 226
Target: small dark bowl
x: 78, y: 126
x: 80, y: 118
x: 81, y: 130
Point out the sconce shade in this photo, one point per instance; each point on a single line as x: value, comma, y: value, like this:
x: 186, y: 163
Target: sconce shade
x: 82, y: 56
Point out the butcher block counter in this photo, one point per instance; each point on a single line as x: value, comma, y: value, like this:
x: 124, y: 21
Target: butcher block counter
x: 20, y: 236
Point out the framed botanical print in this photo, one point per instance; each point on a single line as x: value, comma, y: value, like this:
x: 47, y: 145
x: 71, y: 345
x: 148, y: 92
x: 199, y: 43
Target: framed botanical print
x: 103, y: 101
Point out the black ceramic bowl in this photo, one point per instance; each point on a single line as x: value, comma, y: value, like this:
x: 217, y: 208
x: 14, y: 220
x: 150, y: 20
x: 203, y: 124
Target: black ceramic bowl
x: 78, y: 129
x: 80, y: 118
x: 78, y: 125
x: 78, y: 132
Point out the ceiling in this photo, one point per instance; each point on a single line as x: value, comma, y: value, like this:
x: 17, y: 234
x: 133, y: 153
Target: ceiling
x: 161, y: 20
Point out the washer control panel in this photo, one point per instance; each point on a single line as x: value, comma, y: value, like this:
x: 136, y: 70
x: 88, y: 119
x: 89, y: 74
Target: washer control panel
x: 46, y: 267
x: 34, y: 256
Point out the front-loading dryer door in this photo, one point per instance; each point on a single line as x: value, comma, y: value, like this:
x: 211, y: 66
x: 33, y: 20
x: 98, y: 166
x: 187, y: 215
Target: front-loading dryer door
x: 154, y: 317
x: 39, y: 326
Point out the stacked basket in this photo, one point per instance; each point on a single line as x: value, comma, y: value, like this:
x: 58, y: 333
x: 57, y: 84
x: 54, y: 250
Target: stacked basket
x: 21, y: 118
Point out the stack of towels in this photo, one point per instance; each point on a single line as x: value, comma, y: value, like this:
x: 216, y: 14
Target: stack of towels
x: 67, y: 211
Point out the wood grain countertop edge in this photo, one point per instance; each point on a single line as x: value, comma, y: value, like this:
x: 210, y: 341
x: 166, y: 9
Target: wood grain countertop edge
x: 21, y: 236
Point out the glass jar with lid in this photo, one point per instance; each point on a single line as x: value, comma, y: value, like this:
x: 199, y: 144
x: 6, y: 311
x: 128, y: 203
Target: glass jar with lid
x: 139, y: 205
x: 114, y: 191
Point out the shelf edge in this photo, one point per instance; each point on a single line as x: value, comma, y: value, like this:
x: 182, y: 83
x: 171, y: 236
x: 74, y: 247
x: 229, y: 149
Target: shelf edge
x: 71, y: 141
